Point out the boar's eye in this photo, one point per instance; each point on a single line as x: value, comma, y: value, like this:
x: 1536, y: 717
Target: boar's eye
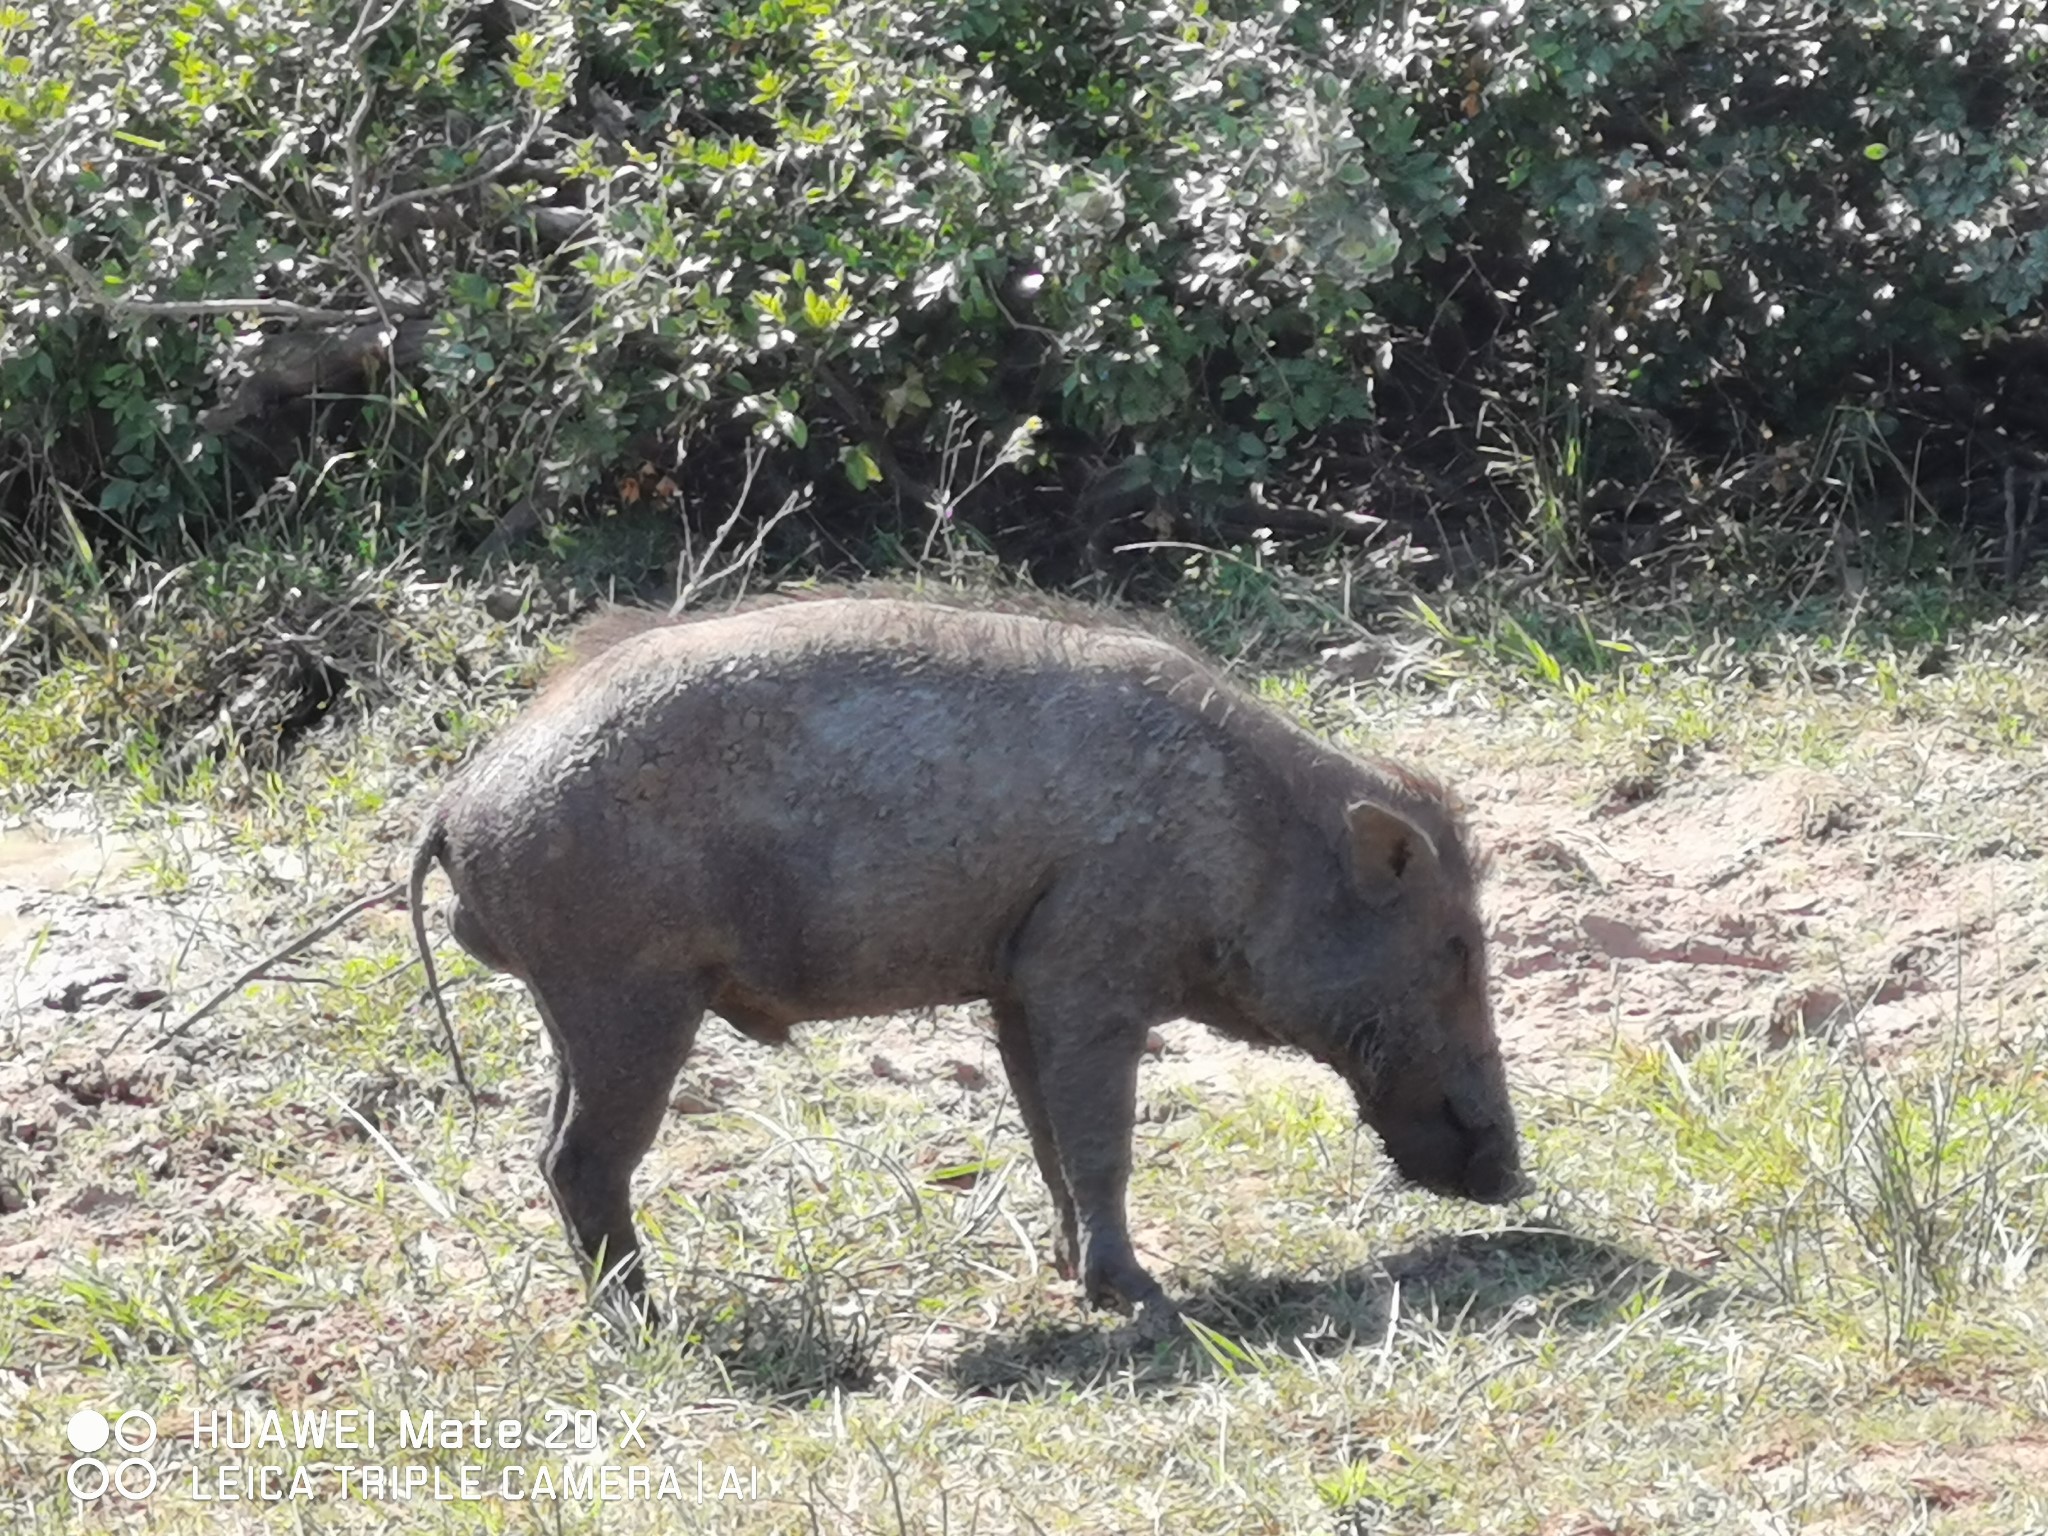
x: 1462, y: 953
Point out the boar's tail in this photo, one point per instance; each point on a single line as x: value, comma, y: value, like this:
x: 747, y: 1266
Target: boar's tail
x: 433, y: 848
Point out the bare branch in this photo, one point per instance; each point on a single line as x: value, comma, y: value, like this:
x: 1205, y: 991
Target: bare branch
x: 690, y: 566
x: 456, y: 188
x: 92, y: 290
x: 352, y: 151
x: 304, y: 941
x: 365, y: 28
x: 744, y: 561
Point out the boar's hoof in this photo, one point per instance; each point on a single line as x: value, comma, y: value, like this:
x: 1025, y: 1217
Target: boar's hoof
x: 1116, y: 1282
x: 1158, y: 1321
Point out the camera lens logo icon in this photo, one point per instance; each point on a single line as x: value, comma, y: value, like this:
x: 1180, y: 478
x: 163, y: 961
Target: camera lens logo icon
x: 132, y: 1475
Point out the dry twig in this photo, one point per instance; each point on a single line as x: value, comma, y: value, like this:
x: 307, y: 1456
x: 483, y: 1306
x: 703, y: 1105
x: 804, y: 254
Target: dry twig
x: 277, y: 957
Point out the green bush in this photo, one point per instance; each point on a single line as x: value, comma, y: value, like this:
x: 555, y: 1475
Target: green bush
x: 1212, y: 247
x: 1755, y: 198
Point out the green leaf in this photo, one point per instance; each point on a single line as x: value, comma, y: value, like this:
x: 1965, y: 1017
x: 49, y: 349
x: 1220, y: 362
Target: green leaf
x: 820, y: 311
x: 1224, y: 1352
x: 861, y: 469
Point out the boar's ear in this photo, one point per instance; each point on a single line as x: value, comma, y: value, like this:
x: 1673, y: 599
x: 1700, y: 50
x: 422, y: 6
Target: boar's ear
x: 1385, y: 845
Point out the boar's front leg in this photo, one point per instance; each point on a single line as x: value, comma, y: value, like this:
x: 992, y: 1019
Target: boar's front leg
x: 1088, y: 1084
x: 1020, y: 1066
x: 618, y: 1047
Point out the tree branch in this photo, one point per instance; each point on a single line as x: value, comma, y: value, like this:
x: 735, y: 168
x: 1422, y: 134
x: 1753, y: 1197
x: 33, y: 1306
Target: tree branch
x: 92, y: 290
x: 433, y: 194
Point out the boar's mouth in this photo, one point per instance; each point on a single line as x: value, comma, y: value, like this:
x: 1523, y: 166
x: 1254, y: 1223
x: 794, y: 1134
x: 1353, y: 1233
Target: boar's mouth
x: 1443, y: 1152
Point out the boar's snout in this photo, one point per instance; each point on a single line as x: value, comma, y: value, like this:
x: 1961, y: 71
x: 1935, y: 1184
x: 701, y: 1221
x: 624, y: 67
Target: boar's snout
x: 1449, y: 1152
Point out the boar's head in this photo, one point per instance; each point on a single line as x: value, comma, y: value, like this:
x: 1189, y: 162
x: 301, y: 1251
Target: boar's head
x: 1387, y: 983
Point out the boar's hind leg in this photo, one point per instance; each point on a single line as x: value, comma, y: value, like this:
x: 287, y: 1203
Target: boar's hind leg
x: 617, y: 1052
x: 1020, y: 1065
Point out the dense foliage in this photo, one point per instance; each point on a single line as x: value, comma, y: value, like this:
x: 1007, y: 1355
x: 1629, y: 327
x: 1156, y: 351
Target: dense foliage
x: 1294, y: 263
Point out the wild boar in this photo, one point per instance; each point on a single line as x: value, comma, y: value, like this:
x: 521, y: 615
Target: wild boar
x: 828, y: 808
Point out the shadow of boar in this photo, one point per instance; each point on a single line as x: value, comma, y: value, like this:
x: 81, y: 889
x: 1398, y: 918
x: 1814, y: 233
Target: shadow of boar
x: 828, y: 808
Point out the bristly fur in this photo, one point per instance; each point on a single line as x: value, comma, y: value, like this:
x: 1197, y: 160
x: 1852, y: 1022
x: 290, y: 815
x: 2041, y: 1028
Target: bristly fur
x: 614, y: 624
